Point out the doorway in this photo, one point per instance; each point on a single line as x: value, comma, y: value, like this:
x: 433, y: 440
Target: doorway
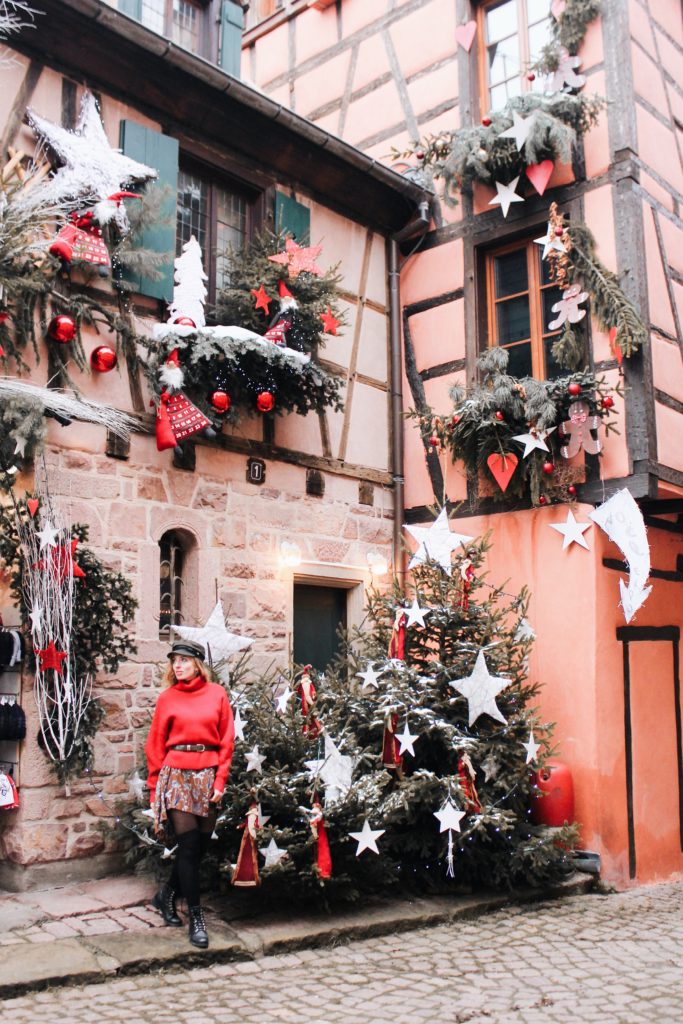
x: 319, y: 614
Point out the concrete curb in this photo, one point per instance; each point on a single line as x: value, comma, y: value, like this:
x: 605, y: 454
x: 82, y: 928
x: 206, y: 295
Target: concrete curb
x: 79, y: 961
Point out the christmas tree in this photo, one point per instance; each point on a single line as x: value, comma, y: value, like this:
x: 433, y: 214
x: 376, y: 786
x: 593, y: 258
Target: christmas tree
x: 408, y: 765
x: 189, y: 292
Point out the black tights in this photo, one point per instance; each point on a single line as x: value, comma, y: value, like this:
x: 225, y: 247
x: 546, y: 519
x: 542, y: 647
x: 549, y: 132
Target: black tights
x: 194, y: 836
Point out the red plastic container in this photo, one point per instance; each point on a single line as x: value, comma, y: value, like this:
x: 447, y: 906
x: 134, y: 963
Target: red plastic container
x: 556, y: 805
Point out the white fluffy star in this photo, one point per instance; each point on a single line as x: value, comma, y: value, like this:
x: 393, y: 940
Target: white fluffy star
x: 273, y: 854
x: 449, y: 817
x: 532, y: 748
x: 220, y: 643
x: 283, y: 700
x: 239, y: 726
x: 572, y: 532
x: 406, y: 740
x: 550, y: 241
x: 367, y: 838
x: 436, y: 542
x: 90, y: 169
x: 47, y: 536
x: 481, y: 689
x: 506, y: 195
x: 415, y: 614
x: 36, y: 618
x: 369, y: 677
x: 335, y: 771
x: 534, y: 439
x: 521, y: 126
x: 254, y: 761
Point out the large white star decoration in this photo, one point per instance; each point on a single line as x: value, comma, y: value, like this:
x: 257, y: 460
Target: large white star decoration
x: 550, y: 241
x: 532, y: 748
x: 436, y: 542
x: 335, y: 771
x: 521, y: 126
x: 415, y: 614
x: 370, y: 677
x: 534, y: 439
x: 273, y: 854
x: 506, y: 195
x: 406, y: 740
x: 525, y: 631
x: 220, y: 643
x: 239, y: 726
x: 481, y: 689
x: 572, y: 532
x: 47, y: 536
x: 254, y: 761
x: 90, y: 169
x: 283, y: 700
x: 449, y: 817
x: 367, y: 838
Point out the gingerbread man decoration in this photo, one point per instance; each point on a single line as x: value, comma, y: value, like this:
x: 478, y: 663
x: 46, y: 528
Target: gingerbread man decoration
x: 578, y: 431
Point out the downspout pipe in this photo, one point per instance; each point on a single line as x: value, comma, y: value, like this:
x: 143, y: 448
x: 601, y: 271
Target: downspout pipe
x: 418, y: 225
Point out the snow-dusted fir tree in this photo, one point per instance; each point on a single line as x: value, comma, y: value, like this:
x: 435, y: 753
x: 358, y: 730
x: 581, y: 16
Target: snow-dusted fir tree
x: 189, y: 292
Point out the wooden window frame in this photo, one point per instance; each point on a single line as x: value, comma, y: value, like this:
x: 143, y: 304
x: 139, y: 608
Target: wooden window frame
x: 522, y: 32
x: 176, y: 580
x: 535, y: 289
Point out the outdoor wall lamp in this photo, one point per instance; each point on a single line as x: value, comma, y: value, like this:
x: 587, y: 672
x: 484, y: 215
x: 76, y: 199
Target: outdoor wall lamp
x: 377, y: 563
x: 290, y: 554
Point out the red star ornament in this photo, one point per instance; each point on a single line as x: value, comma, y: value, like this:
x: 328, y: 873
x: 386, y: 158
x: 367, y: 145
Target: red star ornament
x: 298, y: 259
x: 262, y: 300
x: 63, y: 560
x: 330, y: 323
x: 50, y: 657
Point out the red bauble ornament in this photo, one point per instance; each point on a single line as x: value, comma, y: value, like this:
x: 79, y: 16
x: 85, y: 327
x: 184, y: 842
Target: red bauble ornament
x: 455, y: 420
x: 574, y: 388
x: 4, y: 316
x: 541, y: 499
x: 531, y: 77
x: 184, y: 321
x: 419, y: 154
x: 265, y: 401
x: 220, y: 400
x: 559, y: 232
x: 103, y: 359
x: 572, y: 490
x: 486, y: 121
x: 499, y: 415
x: 434, y: 441
x: 62, y: 328
x: 548, y: 468
x: 607, y: 402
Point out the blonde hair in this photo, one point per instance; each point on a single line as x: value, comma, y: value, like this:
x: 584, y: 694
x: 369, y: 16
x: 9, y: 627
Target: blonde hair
x: 201, y: 669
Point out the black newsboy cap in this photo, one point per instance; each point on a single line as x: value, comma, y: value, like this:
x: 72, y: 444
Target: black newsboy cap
x: 188, y: 647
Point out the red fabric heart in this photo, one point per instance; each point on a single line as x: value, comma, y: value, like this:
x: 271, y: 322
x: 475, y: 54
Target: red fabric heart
x: 539, y: 175
x: 502, y: 468
x: 32, y: 504
x: 465, y: 34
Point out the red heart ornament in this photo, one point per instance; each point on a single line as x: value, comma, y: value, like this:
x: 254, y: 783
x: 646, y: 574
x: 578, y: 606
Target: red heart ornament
x: 502, y: 468
x: 465, y: 34
x: 32, y: 504
x: 539, y: 175
x: 614, y: 348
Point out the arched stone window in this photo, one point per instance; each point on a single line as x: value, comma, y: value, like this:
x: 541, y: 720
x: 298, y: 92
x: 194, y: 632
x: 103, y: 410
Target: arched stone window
x: 174, y: 558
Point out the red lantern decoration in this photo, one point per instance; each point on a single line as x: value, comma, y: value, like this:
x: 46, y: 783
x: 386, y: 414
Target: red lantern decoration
x: 548, y: 468
x: 184, y: 321
x: 62, y: 328
x: 265, y: 401
x: 220, y: 400
x: 556, y: 805
x: 607, y: 402
x: 103, y: 359
x: 574, y: 388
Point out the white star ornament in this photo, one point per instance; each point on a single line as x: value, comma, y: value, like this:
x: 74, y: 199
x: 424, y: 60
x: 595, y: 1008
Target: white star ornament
x: 449, y: 817
x: 367, y: 838
x: 436, y: 542
x: 335, y: 771
x: 481, y: 689
x: 572, y: 532
x: 220, y: 643
x: 532, y: 748
x: 406, y: 740
x: 506, y: 195
x: 47, y: 536
x: 239, y: 726
x: 533, y: 440
x: 255, y: 760
x: 550, y: 241
x: 521, y: 126
x: 369, y: 677
x: 415, y: 614
x: 273, y: 854
x: 283, y: 700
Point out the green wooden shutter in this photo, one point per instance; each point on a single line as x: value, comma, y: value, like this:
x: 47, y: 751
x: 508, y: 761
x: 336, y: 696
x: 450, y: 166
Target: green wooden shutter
x: 232, y: 25
x: 161, y: 152
x: 133, y: 8
x: 292, y: 217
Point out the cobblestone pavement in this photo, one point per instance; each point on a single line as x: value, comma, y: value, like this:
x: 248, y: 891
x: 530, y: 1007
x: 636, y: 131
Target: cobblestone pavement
x: 615, y: 959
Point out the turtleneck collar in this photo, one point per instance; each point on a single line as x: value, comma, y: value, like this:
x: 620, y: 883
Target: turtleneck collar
x: 191, y: 686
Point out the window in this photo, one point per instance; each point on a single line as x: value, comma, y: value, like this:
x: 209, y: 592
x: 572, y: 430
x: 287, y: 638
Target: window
x: 513, y: 32
x: 171, y: 584
x: 181, y: 21
x: 259, y: 10
x: 520, y: 296
x: 318, y: 614
x: 217, y: 218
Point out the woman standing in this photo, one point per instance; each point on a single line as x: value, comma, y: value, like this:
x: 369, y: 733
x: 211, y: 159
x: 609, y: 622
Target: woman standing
x: 189, y: 750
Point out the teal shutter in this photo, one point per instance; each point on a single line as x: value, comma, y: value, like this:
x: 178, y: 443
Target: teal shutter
x: 133, y: 8
x: 232, y: 25
x: 293, y: 218
x: 161, y: 152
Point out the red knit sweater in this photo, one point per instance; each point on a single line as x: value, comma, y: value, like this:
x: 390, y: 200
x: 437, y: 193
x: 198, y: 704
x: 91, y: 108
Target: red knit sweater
x: 192, y: 712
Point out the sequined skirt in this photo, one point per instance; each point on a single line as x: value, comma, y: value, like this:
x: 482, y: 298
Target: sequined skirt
x: 182, y: 789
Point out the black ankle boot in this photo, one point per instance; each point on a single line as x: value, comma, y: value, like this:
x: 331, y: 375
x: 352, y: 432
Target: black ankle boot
x: 164, y: 902
x: 197, y: 931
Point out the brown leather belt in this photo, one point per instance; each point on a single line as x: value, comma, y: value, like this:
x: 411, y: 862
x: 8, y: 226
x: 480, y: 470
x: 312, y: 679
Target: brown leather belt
x: 194, y: 748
